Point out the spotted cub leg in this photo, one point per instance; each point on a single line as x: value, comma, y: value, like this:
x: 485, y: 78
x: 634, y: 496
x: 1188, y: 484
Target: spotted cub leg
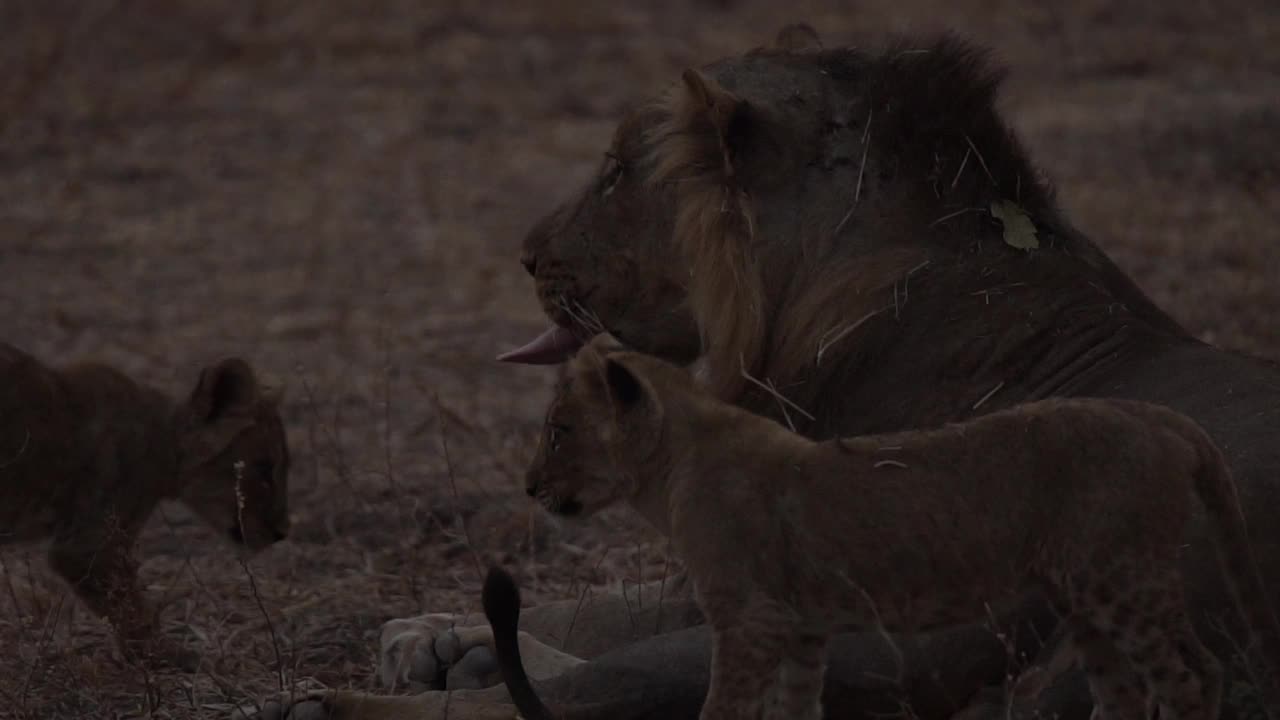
x: 744, y: 668
x: 1148, y: 622
x: 1118, y: 692
x: 797, y: 694
x: 1184, y: 676
x: 1200, y: 659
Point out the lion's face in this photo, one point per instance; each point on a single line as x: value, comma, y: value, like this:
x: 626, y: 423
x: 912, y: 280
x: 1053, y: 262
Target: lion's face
x: 236, y: 458
x: 605, y: 261
x: 601, y: 261
x: 600, y: 421
x: 610, y: 259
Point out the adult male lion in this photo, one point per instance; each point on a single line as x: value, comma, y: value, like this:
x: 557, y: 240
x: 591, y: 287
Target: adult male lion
x: 833, y: 233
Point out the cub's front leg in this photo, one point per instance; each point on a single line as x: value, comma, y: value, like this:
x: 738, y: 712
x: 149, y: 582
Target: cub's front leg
x: 798, y: 692
x: 744, y: 672
x: 101, y: 570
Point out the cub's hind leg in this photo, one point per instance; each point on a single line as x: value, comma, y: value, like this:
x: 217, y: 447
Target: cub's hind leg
x: 1200, y: 659
x: 1184, y: 676
x: 1118, y: 692
x: 1149, y: 624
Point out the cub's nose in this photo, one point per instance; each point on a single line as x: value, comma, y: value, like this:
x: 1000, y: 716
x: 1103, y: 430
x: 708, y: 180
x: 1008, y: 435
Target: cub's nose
x: 530, y: 264
x: 530, y: 490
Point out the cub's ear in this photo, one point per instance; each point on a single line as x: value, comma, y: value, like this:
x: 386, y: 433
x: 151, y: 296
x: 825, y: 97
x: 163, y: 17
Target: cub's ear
x: 224, y: 388
x: 605, y: 343
x: 589, y: 360
x: 625, y: 388
x: 798, y: 37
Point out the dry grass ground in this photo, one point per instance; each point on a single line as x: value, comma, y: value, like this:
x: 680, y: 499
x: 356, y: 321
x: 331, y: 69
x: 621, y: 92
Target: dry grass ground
x: 337, y: 191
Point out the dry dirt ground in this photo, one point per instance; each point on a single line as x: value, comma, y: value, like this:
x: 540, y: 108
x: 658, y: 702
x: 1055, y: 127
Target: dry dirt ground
x: 337, y: 191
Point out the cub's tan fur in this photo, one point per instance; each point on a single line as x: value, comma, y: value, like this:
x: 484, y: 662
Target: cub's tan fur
x: 86, y: 454
x: 789, y: 540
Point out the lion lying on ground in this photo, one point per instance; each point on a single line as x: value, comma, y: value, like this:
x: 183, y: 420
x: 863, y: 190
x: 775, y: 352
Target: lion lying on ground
x: 861, y: 281
x: 86, y: 454
x: 788, y: 540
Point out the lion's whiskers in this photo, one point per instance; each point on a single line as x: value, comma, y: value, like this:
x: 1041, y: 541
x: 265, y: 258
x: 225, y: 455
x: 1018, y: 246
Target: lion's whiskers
x: 580, y: 315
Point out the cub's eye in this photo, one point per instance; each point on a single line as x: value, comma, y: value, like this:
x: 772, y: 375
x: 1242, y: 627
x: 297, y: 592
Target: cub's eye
x: 612, y: 174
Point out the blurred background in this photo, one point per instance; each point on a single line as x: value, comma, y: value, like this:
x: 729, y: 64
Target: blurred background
x: 337, y: 191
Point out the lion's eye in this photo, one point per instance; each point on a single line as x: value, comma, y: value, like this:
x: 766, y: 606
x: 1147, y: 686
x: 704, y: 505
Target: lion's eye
x: 554, y: 435
x: 613, y: 171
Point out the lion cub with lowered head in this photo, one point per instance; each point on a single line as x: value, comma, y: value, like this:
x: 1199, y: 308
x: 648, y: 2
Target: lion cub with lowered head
x: 789, y: 540
x: 86, y: 454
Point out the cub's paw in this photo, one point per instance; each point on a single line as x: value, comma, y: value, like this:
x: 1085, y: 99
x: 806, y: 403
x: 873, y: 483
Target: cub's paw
x: 433, y: 652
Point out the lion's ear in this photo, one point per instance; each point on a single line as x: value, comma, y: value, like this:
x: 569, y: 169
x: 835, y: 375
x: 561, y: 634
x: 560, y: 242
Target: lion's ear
x: 798, y: 37
x: 715, y: 119
x: 704, y: 91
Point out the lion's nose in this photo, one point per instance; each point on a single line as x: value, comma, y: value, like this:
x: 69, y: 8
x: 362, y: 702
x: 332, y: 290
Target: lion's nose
x: 531, y: 490
x: 530, y: 264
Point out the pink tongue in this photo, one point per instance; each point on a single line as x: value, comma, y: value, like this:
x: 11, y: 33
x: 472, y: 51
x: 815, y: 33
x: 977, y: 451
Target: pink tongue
x: 555, y: 345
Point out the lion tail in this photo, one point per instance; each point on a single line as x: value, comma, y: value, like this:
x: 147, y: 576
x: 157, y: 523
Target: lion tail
x: 1217, y: 492
x: 501, y: 600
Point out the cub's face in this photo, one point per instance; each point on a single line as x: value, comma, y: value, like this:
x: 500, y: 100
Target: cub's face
x: 236, y: 458
x: 602, y: 424
x: 571, y: 473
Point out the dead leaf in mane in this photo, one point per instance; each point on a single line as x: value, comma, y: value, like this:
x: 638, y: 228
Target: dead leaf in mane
x: 1019, y: 231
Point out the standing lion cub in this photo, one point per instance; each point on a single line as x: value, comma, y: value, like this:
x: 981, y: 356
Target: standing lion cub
x: 86, y: 454
x: 789, y: 540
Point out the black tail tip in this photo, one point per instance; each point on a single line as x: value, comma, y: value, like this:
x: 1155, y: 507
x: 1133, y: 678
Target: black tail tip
x: 500, y: 597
